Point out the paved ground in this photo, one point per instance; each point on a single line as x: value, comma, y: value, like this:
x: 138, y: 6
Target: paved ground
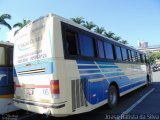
x: 143, y: 104
x: 156, y: 76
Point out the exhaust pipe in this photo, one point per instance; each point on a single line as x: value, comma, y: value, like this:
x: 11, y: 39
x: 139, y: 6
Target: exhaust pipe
x: 47, y: 113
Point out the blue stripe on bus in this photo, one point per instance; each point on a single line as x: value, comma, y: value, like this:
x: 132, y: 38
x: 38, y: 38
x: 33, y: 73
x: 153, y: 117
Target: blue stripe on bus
x: 107, y: 63
x: 89, y: 71
x: 95, y: 92
x: 14, y: 72
x: 108, y: 66
x: 85, y: 62
x: 126, y: 88
x: 87, y: 67
x: 96, y: 76
x: 139, y: 78
x: 111, y: 70
x: 114, y: 74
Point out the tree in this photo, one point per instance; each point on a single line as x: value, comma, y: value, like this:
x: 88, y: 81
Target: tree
x: 20, y: 25
x: 99, y: 30
x: 89, y: 25
x: 109, y: 34
x: 153, y: 57
x: 3, y: 22
x: 78, y: 20
x: 124, y: 41
x: 116, y: 38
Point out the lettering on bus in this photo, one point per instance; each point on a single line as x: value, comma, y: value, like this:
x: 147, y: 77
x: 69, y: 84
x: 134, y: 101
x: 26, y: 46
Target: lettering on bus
x: 33, y: 41
x: 35, y: 55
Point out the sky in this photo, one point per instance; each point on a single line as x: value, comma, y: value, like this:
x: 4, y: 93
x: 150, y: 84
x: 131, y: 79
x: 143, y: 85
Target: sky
x: 132, y: 20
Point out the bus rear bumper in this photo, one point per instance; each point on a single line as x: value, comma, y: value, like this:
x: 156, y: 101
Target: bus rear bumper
x: 42, y: 108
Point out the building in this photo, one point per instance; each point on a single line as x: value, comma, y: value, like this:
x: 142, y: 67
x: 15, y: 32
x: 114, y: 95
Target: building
x: 154, y: 48
x: 150, y: 49
x: 142, y: 44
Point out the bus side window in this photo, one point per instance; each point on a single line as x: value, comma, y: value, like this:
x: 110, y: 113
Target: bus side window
x: 145, y: 59
x: 71, y: 43
x: 133, y: 56
x: 129, y: 55
x: 118, y: 53
x: 124, y: 54
x: 100, y: 48
x: 136, y: 57
x: 2, y: 56
x: 142, y: 58
x: 139, y: 58
x: 86, y: 46
x: 108, y: 50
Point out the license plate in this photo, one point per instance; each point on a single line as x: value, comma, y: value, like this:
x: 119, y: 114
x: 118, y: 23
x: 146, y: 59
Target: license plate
x: 29, y: 91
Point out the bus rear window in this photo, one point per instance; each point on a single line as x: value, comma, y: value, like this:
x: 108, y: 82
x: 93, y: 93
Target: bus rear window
x: 71, y: 42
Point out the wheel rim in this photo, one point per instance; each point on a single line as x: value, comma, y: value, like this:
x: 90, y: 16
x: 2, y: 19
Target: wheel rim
x: 113, y: 96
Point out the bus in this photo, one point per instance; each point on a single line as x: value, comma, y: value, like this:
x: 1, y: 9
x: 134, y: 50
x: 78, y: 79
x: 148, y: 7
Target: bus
x: 62, y: 68
x: 6, y: 78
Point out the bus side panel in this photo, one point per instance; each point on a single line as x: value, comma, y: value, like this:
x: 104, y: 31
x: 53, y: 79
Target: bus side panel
x: 96, y: 77
x: 6, y: 90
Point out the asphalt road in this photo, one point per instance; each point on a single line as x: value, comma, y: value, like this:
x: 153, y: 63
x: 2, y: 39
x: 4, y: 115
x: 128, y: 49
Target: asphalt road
x: 144, y: 104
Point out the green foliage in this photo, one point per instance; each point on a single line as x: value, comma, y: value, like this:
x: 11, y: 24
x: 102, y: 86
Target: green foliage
x: 124, y: 41
x: 3, y: 22
x: 78, y: 20
x: 89, y: 25
x: 20, y: 25
x: 116, y: 38
x: 154, y: 56
x: 99, y: 30
x: 109, y: 34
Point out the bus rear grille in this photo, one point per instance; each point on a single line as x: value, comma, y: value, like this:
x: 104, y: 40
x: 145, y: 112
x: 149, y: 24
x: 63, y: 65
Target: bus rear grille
x: 31, y: 71
x: 78, y: 98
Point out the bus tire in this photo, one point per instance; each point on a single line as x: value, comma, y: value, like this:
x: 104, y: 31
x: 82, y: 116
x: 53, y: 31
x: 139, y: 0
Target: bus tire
x: 112, y: 97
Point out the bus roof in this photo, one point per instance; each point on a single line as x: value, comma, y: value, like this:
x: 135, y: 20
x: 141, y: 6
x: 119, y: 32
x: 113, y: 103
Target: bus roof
x: 84, y: 28
x: 6, y: 43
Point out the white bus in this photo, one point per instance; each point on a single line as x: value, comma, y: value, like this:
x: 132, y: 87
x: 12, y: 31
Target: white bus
x: 6, y: 78
x: 63, y: 68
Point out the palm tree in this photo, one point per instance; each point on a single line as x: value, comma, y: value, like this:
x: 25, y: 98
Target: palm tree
x: 116, y: 38
x: 124, y: 41
x: 109, y: 34
x: 20, y: 25
x: 89, y: 25
x: 78, y: 20
x: 99, y: 30
x: 3, y: 22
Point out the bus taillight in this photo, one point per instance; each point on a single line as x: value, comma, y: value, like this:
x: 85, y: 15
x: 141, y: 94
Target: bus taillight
x: 54, y: 86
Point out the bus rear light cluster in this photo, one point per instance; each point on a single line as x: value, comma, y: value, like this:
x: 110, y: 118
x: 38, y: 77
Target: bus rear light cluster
x: 54, y: 87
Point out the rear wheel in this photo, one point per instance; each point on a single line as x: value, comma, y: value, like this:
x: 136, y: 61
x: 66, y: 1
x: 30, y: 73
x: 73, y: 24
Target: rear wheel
x: 112, y: 96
